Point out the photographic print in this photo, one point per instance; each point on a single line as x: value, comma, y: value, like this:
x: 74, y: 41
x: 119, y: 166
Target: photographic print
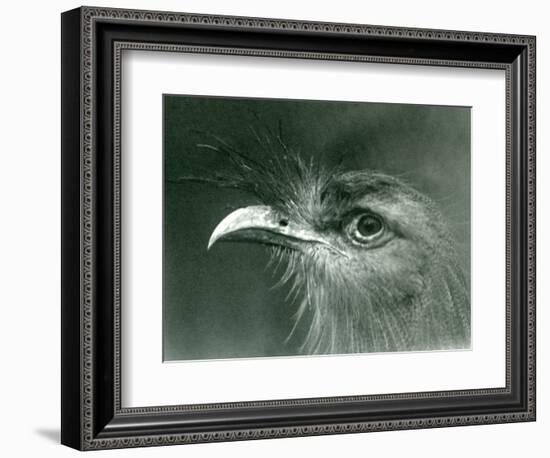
x: 345, y: 199
x: 307, y: 227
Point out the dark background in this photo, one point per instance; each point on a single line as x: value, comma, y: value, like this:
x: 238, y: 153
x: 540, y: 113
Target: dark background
x: 221, y: 303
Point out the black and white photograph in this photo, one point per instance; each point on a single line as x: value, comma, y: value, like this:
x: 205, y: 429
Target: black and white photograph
x: 306, y: 227
x: 275, y: 229
x: 278, y: 228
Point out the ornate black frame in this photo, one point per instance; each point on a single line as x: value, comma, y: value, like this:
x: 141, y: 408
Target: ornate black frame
x: 92, y: 42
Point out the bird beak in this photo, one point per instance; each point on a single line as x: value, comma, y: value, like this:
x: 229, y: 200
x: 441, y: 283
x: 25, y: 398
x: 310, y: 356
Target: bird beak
x: 262, y: 224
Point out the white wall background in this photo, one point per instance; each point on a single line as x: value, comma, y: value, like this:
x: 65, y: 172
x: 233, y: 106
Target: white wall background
x: 30, y: 214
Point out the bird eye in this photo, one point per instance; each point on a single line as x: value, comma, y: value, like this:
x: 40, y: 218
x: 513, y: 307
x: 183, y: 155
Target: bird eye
x: 365, y: 228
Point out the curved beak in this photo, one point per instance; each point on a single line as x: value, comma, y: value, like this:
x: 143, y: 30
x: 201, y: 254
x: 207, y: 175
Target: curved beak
x: 263, y: 224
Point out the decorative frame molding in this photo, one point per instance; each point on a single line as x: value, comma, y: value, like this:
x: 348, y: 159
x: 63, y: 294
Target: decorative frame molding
x: 95, y: 406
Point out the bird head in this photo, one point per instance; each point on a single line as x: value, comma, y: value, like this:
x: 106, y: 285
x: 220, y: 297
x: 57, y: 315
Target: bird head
x: 370, y: 258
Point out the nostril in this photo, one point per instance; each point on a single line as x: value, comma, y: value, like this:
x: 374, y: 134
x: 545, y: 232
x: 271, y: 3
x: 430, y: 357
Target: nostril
x: 283, y: 223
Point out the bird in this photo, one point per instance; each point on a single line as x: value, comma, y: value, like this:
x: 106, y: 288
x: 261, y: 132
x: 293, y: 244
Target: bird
x: 369, y: 259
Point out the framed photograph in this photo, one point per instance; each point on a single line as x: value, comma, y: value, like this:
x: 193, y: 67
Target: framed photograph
x: 276, y: 228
